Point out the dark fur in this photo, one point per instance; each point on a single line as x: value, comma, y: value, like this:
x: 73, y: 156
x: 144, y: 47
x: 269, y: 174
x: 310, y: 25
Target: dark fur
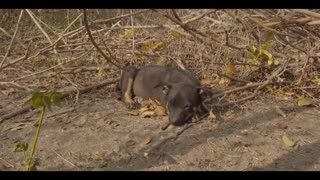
x: 175, y: 89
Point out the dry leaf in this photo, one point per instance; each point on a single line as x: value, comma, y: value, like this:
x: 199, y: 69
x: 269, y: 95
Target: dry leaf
x: 304, y: 101
x: 287, y: 141
x: 175, y: 35
x: 161, y: 62
x: 160, y: 111
x: 146, y: 154
x: 143, y: 109
x: 204, y: 27
x: 15, y: 127
x: 316, y: 80
x: 280, y: 112
x: 205, y: 82
x: 211, y: 115
x: 134, y: 112
x: 147, y: 114
x: 128, y: 33
x: 231, y: 69
x: 224, y: 81
x: 130, y: 143
x: 147, y: 139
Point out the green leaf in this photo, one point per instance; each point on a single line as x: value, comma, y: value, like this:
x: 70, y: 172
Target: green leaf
x: 268, y: 37
x: 270, y: 62
x: 287, y: 141
x: 256, y: 52
x: 266, y: 46
x: 304, y: 101
x: 316, y: 80
x: 46, y: 102
x: 231, y: 69
x: 37, y: 101
x: 128, y: 33
x: 267, y: 54
x: 20, y: 147
x: 56, y: 98
x: 32, y: 164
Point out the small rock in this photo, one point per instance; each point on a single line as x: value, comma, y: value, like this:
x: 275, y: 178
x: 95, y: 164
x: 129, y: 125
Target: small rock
x: 244, y: 132
x: 82, y: 120
x: 146, y: 154
x: 147, y: 139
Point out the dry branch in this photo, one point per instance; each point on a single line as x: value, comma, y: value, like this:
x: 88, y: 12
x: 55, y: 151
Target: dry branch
x: 120, y: 17
x: 5, y: 32
x: 15, y: 85
x: 14, y: 36
x: 39, y: 26
x: 196, y: 33
x: 307, y: 12
x: 260, y: 86
x: 29, y: 107
x: 25, y: 57
x: 53, y: 67
x: 95, y: 44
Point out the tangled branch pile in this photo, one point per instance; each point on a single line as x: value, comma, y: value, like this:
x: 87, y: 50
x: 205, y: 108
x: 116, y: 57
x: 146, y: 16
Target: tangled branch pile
x: 241, y: 52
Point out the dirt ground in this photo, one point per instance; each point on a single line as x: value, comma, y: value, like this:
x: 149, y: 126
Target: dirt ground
x: 99, y: 134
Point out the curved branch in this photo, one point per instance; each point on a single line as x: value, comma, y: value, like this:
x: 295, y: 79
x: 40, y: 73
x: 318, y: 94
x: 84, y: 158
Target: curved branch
x: 94, y: 43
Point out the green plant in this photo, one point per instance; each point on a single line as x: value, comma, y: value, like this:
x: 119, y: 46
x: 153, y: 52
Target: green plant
x: 263, y: 52
x: 38, y: 100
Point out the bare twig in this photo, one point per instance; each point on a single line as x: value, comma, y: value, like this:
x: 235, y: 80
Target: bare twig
x: 39, y: 26
x: 29, y: 107
x: 13, y: 37
x: 5, y: 32
x: 307, y: 12
x: 194, y: 32
x: 53, y: 67
x: 122, y: 16
x: 75, y: 86
x: 15, y: 85
x: 260, y: 86
x: 65, y: 159
x: 94, y: 43
x: 172, y: 137
x: 233, y: 78
x: 60, y: 112
x: 270, y: 29
x: 25, y: 57
x: 11, y: 165
x: 39, y: 20
x: 293, y: 46
x: 247, y: 27
x: 105, y: 21
x: 133, y: 47
x: 176, y: 15
x: 316, y: 22
x: 198, y: 17
x: 45, y: 49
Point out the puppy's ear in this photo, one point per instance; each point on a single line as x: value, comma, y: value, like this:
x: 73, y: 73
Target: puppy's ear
x: 165, y: 89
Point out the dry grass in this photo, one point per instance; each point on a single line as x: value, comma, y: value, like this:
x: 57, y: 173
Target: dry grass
x: 205, y: 42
